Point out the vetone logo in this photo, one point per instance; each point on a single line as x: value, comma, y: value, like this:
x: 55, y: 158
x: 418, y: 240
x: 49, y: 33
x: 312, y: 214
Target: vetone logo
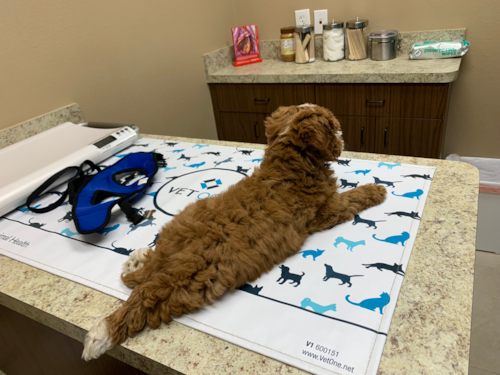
x: 211, y: 184
x: 183, y: 190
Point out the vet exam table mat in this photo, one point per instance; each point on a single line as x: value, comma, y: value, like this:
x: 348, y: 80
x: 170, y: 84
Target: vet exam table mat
x: 325, y: 310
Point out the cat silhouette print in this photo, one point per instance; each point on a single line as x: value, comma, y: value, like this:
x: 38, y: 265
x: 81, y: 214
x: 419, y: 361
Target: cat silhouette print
x: 373, y: 303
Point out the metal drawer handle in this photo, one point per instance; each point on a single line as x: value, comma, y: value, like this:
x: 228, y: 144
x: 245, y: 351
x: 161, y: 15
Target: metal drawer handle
x: 375, y: 101
x: 255, y: 130
x: 385, y: 137
x: 262, y: 100
x: 362, y: 131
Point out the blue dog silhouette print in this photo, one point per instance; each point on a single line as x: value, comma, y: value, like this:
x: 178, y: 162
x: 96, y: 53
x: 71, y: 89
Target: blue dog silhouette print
x: 359, y: 171
x: 373, y: 303
x: 403, y: 237
x: 412, y: 194
x: 197, y: 165
x: 306, y: 302
x: 68, y: 233
x: 350, y: 244
x: 105, y: 231
x: 314, y: 253
x: 255, y: 160
x: 177, y: 151
x: 165, y: 169
x: 26, y: 209
x: 199, y: 146
x: 389, y: 166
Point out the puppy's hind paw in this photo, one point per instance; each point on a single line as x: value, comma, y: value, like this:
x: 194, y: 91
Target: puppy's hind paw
x: 135, y: 260
x: 97, y: 341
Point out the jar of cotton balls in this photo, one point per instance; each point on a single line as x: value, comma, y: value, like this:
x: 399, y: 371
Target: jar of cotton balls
x: 333, y: 41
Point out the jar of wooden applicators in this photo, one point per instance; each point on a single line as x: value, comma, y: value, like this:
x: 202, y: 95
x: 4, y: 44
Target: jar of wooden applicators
x: 356, y: 39
x: 287, y: 44
x: 304, y: 44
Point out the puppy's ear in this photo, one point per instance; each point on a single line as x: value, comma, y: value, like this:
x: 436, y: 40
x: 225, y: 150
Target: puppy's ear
x: 309, y: 131
x: 278, y: 121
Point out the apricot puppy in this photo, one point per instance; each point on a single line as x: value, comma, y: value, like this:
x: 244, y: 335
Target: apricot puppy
x: 222, y: 242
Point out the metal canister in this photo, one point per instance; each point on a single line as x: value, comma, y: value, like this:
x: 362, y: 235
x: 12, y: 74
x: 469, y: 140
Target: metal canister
x: 384, y: 44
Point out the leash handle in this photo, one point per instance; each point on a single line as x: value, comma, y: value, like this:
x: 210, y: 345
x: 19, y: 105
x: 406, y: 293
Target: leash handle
x: 80, y: 175
x: 47, y: 184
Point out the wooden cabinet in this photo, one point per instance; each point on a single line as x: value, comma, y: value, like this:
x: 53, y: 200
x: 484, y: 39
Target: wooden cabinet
x: 393, y: 118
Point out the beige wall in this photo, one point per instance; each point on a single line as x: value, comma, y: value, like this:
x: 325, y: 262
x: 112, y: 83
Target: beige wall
x: 132, y: 61
x: 127, y: 61
x: 474, y: 117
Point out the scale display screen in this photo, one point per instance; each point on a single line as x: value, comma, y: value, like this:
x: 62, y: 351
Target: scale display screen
x: 105, y: 141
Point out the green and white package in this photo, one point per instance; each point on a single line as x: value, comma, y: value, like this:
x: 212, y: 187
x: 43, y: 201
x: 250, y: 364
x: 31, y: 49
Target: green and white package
x: 440, y: 49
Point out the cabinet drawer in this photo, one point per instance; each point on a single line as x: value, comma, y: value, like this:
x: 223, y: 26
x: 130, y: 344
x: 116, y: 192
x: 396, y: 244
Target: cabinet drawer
x: 262, y: 98
x: 242, y: 127
x: 384, y: 100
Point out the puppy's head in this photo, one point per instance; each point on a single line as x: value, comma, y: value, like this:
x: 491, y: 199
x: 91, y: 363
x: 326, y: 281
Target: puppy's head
x: 312, y: 128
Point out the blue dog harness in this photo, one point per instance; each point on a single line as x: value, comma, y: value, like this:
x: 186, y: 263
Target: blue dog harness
x: 91, y: 195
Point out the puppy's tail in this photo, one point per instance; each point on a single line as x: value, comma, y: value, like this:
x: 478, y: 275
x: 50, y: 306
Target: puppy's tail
x: 129, y: 319
x: 155, y: 300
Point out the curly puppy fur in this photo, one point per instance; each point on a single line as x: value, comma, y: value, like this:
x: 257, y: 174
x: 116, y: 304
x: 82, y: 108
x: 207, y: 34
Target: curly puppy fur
x: 220, y: 243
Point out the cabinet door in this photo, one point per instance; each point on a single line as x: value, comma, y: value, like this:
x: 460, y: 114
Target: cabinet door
x: 243, y: 127
x: 409, y: 137
x: 358, y: 133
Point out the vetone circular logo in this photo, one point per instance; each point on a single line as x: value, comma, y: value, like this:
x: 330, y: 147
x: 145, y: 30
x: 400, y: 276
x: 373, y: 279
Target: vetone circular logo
x: 183, y: 190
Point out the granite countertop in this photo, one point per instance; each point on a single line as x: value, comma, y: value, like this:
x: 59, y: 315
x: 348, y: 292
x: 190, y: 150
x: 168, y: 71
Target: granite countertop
x: 430, y: 330
x: 219, y: 68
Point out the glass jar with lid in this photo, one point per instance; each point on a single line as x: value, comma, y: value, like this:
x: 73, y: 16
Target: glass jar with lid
x: 287, y: 44
x: 333, y: 41
x: 356, y: 39
x: 304, y: 44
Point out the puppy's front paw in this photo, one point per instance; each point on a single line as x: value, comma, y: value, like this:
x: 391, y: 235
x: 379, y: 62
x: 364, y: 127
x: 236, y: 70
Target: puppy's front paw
x: 375, y: 193
x: 135, y: 260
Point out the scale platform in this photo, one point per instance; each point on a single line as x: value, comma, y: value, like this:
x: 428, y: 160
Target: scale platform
x: 27, y: 164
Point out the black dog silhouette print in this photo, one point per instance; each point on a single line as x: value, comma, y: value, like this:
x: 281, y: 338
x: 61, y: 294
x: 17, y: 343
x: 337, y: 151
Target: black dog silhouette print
x: 287, y: 275
x: 331, y: 274
x: 251, y: 289
x: 369, y: 223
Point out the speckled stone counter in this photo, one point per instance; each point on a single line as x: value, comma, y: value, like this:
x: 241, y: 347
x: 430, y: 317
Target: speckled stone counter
x: 219, y: 68
x: 430, y: 330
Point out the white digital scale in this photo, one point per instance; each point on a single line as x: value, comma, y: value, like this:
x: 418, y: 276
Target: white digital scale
x: 25, y: 165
